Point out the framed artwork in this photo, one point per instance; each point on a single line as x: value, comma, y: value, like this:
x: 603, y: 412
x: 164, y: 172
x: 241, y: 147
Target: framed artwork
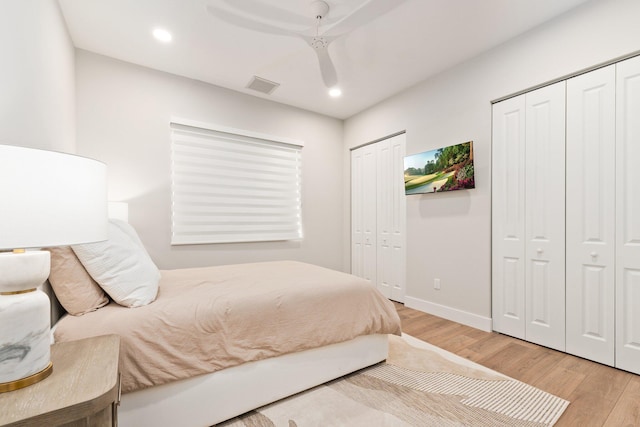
x: 442, y: 169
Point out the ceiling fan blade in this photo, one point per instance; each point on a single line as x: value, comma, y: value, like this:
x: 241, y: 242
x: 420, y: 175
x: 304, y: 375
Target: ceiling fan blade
x: 273, y: 13
x: 250, y: 24
x: 365, y: 13
x: 327, y: 70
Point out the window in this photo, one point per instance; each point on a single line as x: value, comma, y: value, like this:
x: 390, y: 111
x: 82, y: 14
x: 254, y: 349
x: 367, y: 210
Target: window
x: 233, y: 186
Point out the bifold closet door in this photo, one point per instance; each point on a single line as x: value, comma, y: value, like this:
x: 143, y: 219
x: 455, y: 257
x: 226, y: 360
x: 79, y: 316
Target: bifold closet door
x: 508, y: 217
x: 357, y: 251
x: 545, y: 216
x: 528, y: 216
x: 628, y: 215
x: 391, y: 217
x: 378, y: 215
x: 590, y: 206
x: 363, y: 213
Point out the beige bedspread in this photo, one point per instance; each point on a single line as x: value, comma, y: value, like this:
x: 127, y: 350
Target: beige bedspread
x: 207, y: 319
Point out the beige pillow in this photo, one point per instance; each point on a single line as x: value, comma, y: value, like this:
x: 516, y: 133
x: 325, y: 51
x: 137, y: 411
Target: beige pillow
x: 76, y: 290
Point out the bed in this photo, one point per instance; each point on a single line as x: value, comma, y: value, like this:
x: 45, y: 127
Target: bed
x: 216, y: 342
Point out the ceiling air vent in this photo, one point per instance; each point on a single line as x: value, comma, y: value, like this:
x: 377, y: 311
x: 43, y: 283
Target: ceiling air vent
x: 262, y: 85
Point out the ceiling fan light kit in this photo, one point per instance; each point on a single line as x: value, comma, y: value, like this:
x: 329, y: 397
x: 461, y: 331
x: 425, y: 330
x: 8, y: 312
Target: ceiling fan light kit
x: 319, y: 43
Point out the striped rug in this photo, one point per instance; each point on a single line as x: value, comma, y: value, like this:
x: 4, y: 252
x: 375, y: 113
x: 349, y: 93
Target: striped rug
x: 418, y: 385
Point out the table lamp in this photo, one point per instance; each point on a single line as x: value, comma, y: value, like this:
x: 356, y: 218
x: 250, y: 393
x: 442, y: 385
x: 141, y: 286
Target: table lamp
x: 46, y: 199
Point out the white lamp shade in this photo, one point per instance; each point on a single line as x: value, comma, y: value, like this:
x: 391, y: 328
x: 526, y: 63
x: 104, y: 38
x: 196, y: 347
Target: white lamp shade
x: 46, y: 199
x: 50, y: 199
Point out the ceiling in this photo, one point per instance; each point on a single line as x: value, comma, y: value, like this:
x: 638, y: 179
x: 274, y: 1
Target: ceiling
x: 414, y: 40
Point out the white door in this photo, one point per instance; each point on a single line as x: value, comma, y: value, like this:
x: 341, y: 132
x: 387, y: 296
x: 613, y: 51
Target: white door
x: 545, y: 216
x: 357, y: 233
x: 363, y: 213
x: 628, y: 215
x: 369, y: 214
x: 385, y: 218
x: 590, y: 206
x: 391, y: 217
x: 508, y: 223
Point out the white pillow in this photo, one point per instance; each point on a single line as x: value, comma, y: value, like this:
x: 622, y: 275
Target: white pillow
x: 121, y: 266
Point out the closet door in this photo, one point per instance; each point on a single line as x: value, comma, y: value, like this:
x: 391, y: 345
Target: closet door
x: 508, y: 221
x: 363, y: 188
x: 628, y: 215
x: 391, y: 217
x: 385, y: 219
x: 590, y: 204
x: 357, y: 234
x: 545, y: 216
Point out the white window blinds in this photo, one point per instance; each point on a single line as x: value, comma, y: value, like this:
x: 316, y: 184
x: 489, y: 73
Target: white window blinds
x: 233, y: 187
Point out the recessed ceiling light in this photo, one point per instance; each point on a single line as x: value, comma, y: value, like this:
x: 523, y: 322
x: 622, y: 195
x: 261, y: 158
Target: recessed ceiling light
x: 162, y: 35
x: 335, y: 92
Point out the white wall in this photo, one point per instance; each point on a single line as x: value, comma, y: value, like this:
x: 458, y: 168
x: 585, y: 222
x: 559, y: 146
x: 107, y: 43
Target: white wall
x: 123, y: 114
x: 449, y: 235
x: 37, y: 90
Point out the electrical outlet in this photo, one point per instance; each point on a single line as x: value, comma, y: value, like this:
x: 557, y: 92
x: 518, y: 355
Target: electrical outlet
x: 436, y: 284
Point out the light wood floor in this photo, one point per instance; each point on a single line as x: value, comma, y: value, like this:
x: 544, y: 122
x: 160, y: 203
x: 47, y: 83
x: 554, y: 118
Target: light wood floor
x: 599, y: 395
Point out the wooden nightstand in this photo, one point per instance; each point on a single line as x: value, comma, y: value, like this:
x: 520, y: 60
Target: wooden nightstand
x: 83, y: 390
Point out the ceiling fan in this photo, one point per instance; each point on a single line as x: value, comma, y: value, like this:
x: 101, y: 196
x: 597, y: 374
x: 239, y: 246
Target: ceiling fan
x: 317, y: 29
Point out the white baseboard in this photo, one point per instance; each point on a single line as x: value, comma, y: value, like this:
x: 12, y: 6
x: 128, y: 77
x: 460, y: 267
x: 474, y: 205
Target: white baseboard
x: 453, y: 314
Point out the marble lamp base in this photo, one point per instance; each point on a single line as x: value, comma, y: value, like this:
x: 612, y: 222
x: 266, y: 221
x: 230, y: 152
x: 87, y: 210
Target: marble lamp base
x: 24, y: 320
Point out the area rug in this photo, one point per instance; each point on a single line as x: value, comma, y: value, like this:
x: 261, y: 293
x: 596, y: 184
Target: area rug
x: 418, y: 385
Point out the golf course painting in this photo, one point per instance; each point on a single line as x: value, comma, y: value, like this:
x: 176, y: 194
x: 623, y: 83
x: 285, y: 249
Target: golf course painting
x: 443, y: 169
